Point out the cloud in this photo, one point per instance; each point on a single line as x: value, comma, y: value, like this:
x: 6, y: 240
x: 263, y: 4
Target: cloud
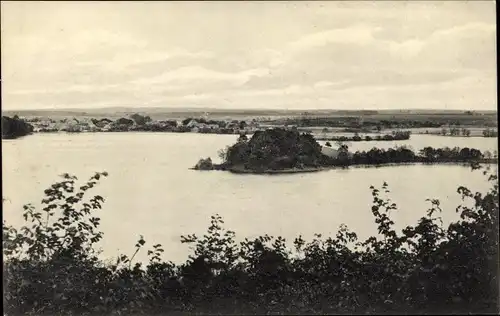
x: 187, y: 75
x: 443, y: 55
x: 129, y: 58
x: 470, y: 46
x: 314, y: 54
x: 358, y: 35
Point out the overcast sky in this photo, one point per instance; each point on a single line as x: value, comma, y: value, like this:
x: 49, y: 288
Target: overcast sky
x: 287, y: 55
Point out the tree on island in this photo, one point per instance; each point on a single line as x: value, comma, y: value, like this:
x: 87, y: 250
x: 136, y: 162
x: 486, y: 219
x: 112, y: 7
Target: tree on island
x: 140, y: 119
x: 124, y: 121
x: 186, y: 121
x: 243, y: 138
x: 275, y: 149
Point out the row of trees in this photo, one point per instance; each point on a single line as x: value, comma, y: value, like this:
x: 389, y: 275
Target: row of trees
x: 396, y: 135
x: 221, y: 124
x: 204, y: 121
x: 51, y: 265
x: 490, y: 133
x: 376, y: 156
x: 137, y: 122
x: 454, y: 131
x: 451, y: 154
x: 401, y: 122
x: 282, y: 149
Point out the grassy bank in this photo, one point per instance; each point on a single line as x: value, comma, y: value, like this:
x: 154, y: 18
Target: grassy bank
x: 242, y: 170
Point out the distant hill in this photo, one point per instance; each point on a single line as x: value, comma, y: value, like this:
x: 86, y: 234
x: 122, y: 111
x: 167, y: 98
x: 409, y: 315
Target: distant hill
x: 157, y: 112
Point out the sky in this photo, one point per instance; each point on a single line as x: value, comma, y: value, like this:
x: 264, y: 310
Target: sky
x: 233, y: 55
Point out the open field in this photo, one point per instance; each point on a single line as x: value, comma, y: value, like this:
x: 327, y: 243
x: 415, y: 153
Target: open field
x: 475, y: 131
x: 410, y: 120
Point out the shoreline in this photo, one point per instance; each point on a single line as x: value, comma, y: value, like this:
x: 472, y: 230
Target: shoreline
x: 359, y: 140
x: 326, y: 168
x: 250, y: 133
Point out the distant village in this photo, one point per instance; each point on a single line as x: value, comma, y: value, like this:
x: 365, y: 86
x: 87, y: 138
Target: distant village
x: 137, y: 122
x: 203, y: 124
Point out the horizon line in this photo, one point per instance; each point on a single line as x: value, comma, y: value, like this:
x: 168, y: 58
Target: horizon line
x: 180, y: 109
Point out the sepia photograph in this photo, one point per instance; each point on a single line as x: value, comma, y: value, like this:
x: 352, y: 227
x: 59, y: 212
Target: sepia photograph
x: 249, y: 158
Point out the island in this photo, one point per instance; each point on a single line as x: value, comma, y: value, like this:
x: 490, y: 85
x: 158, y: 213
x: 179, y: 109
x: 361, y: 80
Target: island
x: 280, y: 150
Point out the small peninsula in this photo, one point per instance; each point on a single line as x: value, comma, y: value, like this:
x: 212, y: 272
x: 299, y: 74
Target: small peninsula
x: 279, y: 150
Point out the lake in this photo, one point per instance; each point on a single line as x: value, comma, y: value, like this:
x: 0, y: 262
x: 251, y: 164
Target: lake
x: 150, y: 190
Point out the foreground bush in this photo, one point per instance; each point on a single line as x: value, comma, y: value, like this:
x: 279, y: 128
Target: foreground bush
x: 51, y: 266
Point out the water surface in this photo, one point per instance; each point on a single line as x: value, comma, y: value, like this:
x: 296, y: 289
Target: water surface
x: 151, y: 191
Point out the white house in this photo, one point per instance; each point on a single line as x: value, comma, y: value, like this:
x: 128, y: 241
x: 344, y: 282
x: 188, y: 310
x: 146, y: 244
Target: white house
x: 332, y: 152
x: 329, y: 151
x: 106, y: 127
x: 192, y: 123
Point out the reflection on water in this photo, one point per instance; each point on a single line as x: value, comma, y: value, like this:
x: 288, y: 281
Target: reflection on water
x: 150, y: 190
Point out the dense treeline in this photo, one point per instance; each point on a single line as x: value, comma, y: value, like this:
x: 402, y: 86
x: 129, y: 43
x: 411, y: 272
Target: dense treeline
x: 355, y: 122
x: 279, y: 149
x: 205, y: 121
x: 396, y: 135
x: 405, y: 155
x: 396, y: 121
x: 490, y: 133
x: 51, y: 265
x: 455, y: 131
x: 15, y: 127
x: 274, y: 149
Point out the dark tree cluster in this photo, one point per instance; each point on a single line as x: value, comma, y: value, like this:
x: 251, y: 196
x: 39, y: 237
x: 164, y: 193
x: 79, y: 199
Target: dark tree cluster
x: 430, y: 154
x: 226, y: 131
x: 279, y: 149
x: 396, y: 121
x: 15, y: 127
x: 490, y: 133
x: 275, y: 149
x: 377, y: 156
x: 203, y: 121
x: 140, y: 119
x: 124, y: 121
x: 396, y: 135
x: 380, y: 156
